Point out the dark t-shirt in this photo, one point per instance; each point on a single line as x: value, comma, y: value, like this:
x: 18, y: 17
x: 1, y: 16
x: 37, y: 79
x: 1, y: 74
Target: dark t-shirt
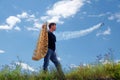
x: 51, y: 41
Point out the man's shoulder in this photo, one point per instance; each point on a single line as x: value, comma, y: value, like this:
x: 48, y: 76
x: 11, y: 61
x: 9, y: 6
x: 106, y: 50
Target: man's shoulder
x: 49, y: 32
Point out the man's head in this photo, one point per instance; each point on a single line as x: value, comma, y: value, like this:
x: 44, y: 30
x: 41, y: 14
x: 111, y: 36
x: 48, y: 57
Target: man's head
x: 52, y: 26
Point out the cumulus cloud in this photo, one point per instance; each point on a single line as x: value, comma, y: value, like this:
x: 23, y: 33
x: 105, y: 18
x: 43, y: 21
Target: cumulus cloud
x: 31, y: 18
x: 27, y: 17
x: 106, y: 32
x: 76, y: 34
x: 5, y: 27
x: 36, y: 27
x: 25, y: 66
x: 11, y: 21
x: 23, y: 15
x: 115, y: 16
x: 62, y: 9
x: 2, y: 51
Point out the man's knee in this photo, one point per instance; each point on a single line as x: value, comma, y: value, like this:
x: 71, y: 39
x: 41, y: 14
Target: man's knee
x: 57, y: 63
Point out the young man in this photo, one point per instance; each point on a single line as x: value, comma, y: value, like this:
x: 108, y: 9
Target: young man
x: 51, y: 54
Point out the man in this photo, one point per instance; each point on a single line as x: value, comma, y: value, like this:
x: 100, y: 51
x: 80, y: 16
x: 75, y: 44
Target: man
x: 51, y: 54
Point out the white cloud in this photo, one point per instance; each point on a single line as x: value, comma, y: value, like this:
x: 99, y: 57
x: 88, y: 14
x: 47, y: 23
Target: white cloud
x: 72, y: 66
x: 44, y: 18
x: 106, y: 32
x: 59, y: 58
x: 62, y: 9
x: 106, y: 62
x: 23, y: 15
x: 5, y: 27
x: 36, y: 27
x: 115, y: 16
x: 88, y: 1
x: 31, y: 18
x: 25, y: 66
x: 75, y: 34
x: 55, y: 19
x: 99, y: 15
x: 27, y: 17
x: 65, y: 8
x: 32, y: 29
x: 110, y: 17
x: 17, y: 28
x: 2, y: 51
x: 12, y: 20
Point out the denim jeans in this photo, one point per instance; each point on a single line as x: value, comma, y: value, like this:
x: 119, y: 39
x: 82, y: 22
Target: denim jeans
x: 51, y: 55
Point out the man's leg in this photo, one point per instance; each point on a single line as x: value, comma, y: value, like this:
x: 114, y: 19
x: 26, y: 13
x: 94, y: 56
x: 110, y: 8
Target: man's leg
x: 58, y: 65
x: 46, y: 61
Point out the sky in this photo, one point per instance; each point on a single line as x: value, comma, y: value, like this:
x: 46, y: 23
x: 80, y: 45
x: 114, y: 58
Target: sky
x: 85, y: 29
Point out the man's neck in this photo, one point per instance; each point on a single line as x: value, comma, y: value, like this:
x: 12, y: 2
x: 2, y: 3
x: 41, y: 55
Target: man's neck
x: 51, y: 30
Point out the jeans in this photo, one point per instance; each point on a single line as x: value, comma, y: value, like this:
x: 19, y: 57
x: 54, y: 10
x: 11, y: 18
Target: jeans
x: 51, y: 55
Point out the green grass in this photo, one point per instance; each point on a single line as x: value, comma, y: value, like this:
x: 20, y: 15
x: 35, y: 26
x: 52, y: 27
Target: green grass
x: 97, y: 72
x: 109, y: 71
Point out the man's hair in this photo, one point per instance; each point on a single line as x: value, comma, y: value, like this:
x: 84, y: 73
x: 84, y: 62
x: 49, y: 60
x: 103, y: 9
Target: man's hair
x: 51, y: 24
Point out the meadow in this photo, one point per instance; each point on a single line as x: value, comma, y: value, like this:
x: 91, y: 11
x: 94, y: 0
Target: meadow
x: 109, y: 71
x: 104, y: 68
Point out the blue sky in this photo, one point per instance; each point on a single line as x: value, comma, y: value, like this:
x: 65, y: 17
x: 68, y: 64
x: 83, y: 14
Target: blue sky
x: 80, y: 36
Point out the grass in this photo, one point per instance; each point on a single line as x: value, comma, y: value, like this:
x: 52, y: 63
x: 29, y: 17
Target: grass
x: 98, y: 72
x: 110, y: 71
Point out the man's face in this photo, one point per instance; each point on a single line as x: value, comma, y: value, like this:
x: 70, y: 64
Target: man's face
x: 53, y: 27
